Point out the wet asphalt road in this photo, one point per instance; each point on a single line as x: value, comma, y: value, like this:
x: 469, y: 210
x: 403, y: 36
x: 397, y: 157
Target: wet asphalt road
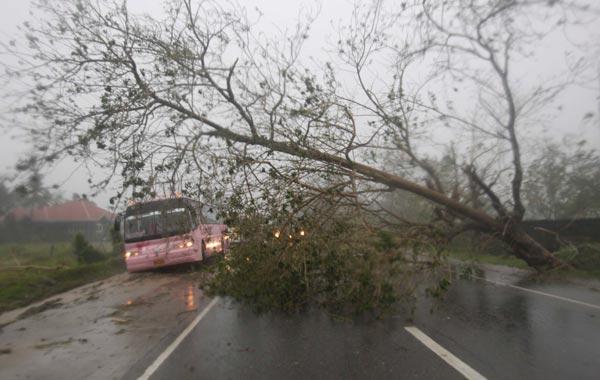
x: 501, y: 332
x: 506, y: 333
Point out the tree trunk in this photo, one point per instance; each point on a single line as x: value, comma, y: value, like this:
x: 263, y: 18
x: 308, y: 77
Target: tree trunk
x: 522, y: 244
x: 529, y: 250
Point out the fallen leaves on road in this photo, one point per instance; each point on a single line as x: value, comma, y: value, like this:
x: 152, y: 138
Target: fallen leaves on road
x: 45, y: 346
x: 51, y: 304
x: 120, y: 321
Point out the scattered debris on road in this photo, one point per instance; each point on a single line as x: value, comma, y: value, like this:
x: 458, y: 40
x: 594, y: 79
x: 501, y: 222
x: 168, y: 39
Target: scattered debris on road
x: 51, y: 304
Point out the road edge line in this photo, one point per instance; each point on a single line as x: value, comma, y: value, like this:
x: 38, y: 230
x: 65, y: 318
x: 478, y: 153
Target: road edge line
x: 550, y: 295
x: 445, y: 355
x: 169, y: 350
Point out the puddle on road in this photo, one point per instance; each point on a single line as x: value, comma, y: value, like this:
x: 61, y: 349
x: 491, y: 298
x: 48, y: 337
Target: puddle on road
x: 190, y: 299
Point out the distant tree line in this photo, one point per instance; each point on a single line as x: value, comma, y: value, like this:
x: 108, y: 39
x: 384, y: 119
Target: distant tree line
x: 30, y: 194
x: 563, y: 183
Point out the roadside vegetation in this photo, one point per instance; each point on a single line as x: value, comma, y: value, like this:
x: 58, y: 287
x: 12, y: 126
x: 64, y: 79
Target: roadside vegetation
x: 334, y: 257
x: 475, y: 248
x: 30, y: 272
x: 486, y: 258
x: 581, y: 259
x: 332, y: 260
x: 584, y: 258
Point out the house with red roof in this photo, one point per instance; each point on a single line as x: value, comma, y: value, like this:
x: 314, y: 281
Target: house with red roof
x: 57, y: 222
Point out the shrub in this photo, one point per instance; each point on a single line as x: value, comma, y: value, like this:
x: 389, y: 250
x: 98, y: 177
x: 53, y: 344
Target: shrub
x: 84, y: 251
x: 585, y: 257
x: 118, y: 247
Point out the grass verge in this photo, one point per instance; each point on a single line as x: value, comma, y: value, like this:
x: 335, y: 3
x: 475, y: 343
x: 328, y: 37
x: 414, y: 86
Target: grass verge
x: 43, y: 254
x: 30, y: 272
x: 482, y: 258
x: 584, y: 260
x: 21, y: 287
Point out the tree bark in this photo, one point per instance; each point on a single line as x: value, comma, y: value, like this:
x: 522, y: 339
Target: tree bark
x: 529, y: 250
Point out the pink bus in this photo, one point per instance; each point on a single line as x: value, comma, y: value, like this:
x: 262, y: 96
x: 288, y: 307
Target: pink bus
x: 171, y: 231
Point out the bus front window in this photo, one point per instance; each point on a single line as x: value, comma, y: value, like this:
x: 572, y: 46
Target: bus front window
x: 157, y: 224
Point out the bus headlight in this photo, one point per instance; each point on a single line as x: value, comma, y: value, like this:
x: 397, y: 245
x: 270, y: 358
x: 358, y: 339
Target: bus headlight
x: 186, y: 243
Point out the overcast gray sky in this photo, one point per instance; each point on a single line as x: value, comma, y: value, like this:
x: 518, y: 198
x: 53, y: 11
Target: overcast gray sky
x: 72, y: 177
x: 575, y: 104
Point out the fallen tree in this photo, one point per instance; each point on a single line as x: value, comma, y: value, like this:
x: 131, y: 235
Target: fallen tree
x: 197, y: 100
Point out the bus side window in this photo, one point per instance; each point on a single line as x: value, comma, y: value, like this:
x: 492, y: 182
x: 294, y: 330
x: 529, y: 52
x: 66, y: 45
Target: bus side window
x: 194, y: 215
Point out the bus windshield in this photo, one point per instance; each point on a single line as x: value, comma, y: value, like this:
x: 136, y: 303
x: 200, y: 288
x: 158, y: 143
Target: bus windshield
x: 157, y: 224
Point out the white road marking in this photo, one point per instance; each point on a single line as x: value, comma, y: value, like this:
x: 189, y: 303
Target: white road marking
x: 169, y: 350
x: 446, y: 355
x: 597, y: 307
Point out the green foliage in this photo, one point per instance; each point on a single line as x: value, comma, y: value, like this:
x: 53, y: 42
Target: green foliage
x: 33, y: 271
x: 583, y: 257
x: 439, y: 289
x: 486, y: 253
x: 563, y: 183
x: 474, y: 242
x: 44, y: 254
x: 386, y: 241
x: 337, y: 264
x: 118, y: 246
x: 85, y: 252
